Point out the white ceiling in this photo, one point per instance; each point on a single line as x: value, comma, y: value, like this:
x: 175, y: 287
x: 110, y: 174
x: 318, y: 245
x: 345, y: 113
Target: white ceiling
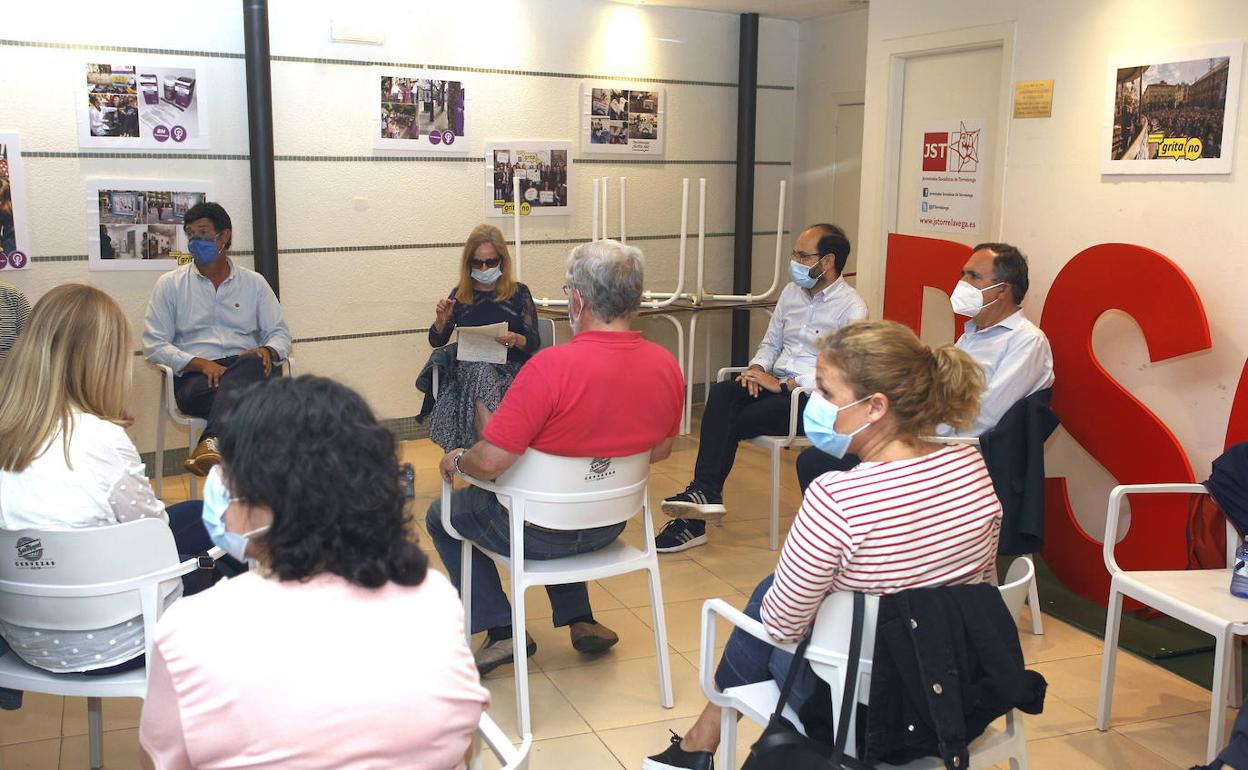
x: 780, y: 9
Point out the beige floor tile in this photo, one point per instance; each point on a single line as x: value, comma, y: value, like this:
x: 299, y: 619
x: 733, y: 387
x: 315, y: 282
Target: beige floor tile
x: 684, y: 621
x: 1142, y: 691
x: 552, y: 713
x: 1058, y: 718
x: 631, y: 745
x: 1093, y: 750
x: 741, y: 566
x: 119, y: 714
x: 37, y: 719
x: 577, y: 751
x: 1180, y: 740
x: 555, y: 651
x: 1058, y: 642
x: 38, y: 755
x: 681, y: 580
x: 622, y: 693
x: 121, y: 751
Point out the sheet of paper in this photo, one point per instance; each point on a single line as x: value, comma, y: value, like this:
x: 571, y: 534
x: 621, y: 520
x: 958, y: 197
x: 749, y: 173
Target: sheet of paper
x: 479, y: 343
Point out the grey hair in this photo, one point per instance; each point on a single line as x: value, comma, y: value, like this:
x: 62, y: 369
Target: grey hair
x: 609, y: 275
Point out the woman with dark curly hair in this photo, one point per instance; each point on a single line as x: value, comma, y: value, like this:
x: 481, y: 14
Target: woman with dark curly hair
x: 338, y: 649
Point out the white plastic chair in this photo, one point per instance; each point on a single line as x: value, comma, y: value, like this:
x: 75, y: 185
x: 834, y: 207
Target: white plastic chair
x: 1033, y: 590
x: 828, y: 656
x: 194, y: 425
x: 568, y: 493
x: 774, y: 444
x: 1200, y: 598
x: 509, y: 756
x: 87, y: 579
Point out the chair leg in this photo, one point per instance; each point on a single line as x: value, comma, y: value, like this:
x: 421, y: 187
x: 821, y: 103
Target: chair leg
x: 727, y: 738
x: 521, y: 665
x: 775, y: 497
x: 1221, y: 678
x: 465, y: 587
x: 660, y: 638
x: 95, y: 732
x: 1109, y: 657
x: 1235, y: 695
x: 1018, y: 754
x: 1033, y: 601
x: 159, y: 461
x: 193, y: 433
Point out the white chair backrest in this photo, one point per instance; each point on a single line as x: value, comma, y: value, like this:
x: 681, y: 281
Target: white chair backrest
x: 577, y: 492
x: 546, y: 332
x: 831, y: 633
x: 1017, y: 582
x: 85, y: 558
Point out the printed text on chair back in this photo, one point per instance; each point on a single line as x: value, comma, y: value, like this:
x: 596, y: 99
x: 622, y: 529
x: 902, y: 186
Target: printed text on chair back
x: 81, y: 557
x: 578, y: 492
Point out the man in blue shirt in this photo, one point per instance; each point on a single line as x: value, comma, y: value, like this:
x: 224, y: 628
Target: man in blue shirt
x: 216, y: 324
x: 757, y: 402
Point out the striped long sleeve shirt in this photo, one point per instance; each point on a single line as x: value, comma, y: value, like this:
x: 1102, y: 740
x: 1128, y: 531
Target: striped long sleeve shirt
x: 14, y: 310
x: 884, y: 527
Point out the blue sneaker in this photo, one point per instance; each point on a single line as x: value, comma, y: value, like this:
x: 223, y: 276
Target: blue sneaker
x: 680, y: 535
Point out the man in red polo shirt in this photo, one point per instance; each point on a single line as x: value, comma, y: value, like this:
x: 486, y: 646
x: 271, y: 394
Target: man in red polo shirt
x: 607, y: 393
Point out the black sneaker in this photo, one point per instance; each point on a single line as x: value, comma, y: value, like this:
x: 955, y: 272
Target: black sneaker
x: 694, y: 503
x: 680, y: 535
x: 676, y: 758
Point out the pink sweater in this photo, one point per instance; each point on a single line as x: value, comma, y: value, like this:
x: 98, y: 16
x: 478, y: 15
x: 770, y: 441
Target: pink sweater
x: 259, y: 673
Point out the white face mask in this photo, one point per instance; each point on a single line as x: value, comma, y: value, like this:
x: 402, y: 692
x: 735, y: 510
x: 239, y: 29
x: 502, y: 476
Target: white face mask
x: 968, y: 300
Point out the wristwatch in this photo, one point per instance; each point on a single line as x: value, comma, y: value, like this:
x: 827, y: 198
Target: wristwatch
x: 784, y: 387
x: 459, y: 470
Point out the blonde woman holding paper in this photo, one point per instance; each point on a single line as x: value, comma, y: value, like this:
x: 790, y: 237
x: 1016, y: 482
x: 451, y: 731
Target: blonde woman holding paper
x: 487, y: 294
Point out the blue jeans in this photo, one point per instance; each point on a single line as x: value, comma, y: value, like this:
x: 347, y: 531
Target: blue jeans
x: 748, y: 660
x: 478, y: 516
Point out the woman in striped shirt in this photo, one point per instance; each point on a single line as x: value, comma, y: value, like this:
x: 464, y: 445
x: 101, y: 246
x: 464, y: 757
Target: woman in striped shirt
x: 912, y: 514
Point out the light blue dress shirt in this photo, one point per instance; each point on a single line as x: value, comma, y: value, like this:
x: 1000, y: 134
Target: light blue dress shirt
x: 187, y: 318
x: 1017, y: 361
x: 801, y: 318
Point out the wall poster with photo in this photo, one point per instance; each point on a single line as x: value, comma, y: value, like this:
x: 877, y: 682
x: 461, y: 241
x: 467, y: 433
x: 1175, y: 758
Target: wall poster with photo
x: 137, y: 224
x: 541, y: 167
x: 1172, y: 111
x: 419, y: 114
x: 142, y: 106
x: 618, y: 118
x: 14, y: 236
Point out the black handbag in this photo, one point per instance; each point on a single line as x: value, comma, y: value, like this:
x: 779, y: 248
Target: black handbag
x: 782, y: 747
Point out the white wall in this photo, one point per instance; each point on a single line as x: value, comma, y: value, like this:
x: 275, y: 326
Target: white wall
x: 326, y: 108
x: 1055, y: 202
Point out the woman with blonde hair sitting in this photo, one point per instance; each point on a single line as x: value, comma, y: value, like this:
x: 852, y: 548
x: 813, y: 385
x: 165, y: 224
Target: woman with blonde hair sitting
x: 913, y: 514
x: 66, y: 461
x: 487, y: 293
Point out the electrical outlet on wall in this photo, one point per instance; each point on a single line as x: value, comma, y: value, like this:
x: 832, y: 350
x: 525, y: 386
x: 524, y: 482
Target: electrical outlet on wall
x: 360, y: 203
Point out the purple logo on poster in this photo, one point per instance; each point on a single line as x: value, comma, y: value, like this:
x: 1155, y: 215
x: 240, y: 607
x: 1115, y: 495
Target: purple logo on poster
x: 448, y: 137
x: 179, y: 134
x: 160, y: 133
x: 435, y: 137
x: 4, y: 261
x: 17, y: 260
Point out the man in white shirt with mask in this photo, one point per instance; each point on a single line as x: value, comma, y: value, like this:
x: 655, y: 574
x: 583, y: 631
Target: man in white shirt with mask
x: 1013, y: 352
x: 757, y: 402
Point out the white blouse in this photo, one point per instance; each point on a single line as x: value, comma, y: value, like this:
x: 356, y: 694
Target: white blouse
x: 103, y: 483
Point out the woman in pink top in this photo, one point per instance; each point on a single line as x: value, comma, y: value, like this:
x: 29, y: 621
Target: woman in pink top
x: 912, y: 514
x: 339, y: 649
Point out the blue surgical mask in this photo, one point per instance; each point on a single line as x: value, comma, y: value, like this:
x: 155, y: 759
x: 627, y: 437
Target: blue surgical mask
x: 819, y: 420
x: 203, y: 250
x: 216, y: 500
x: 488, y: 277
x: 800, y: 274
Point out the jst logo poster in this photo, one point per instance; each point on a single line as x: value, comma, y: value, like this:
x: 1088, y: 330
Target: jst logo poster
x: 952, y: 178
x: 137, y: 106
x: 14, y: 237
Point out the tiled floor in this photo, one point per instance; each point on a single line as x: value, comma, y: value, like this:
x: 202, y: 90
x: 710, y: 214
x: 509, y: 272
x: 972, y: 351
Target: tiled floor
x: 604, y: 712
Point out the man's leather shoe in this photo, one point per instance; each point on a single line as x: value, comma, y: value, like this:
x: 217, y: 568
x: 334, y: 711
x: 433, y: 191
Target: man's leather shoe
x: 203, y: 458
x: 594, y: 637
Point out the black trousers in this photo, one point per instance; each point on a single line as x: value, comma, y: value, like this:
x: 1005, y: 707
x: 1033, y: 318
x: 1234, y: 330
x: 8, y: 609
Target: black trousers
x: 196, y: 399
x: 733, y: 415
x: 813, y: 463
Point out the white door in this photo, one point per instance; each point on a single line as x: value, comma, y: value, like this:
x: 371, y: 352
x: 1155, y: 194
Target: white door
x: 943, y: 88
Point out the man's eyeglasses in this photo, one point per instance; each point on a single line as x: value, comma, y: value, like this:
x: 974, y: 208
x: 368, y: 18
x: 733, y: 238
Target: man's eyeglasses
x: 483, y: 264
x: 802, y: 256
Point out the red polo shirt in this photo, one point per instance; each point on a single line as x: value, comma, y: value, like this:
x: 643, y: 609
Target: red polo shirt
x: 604, y: 394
